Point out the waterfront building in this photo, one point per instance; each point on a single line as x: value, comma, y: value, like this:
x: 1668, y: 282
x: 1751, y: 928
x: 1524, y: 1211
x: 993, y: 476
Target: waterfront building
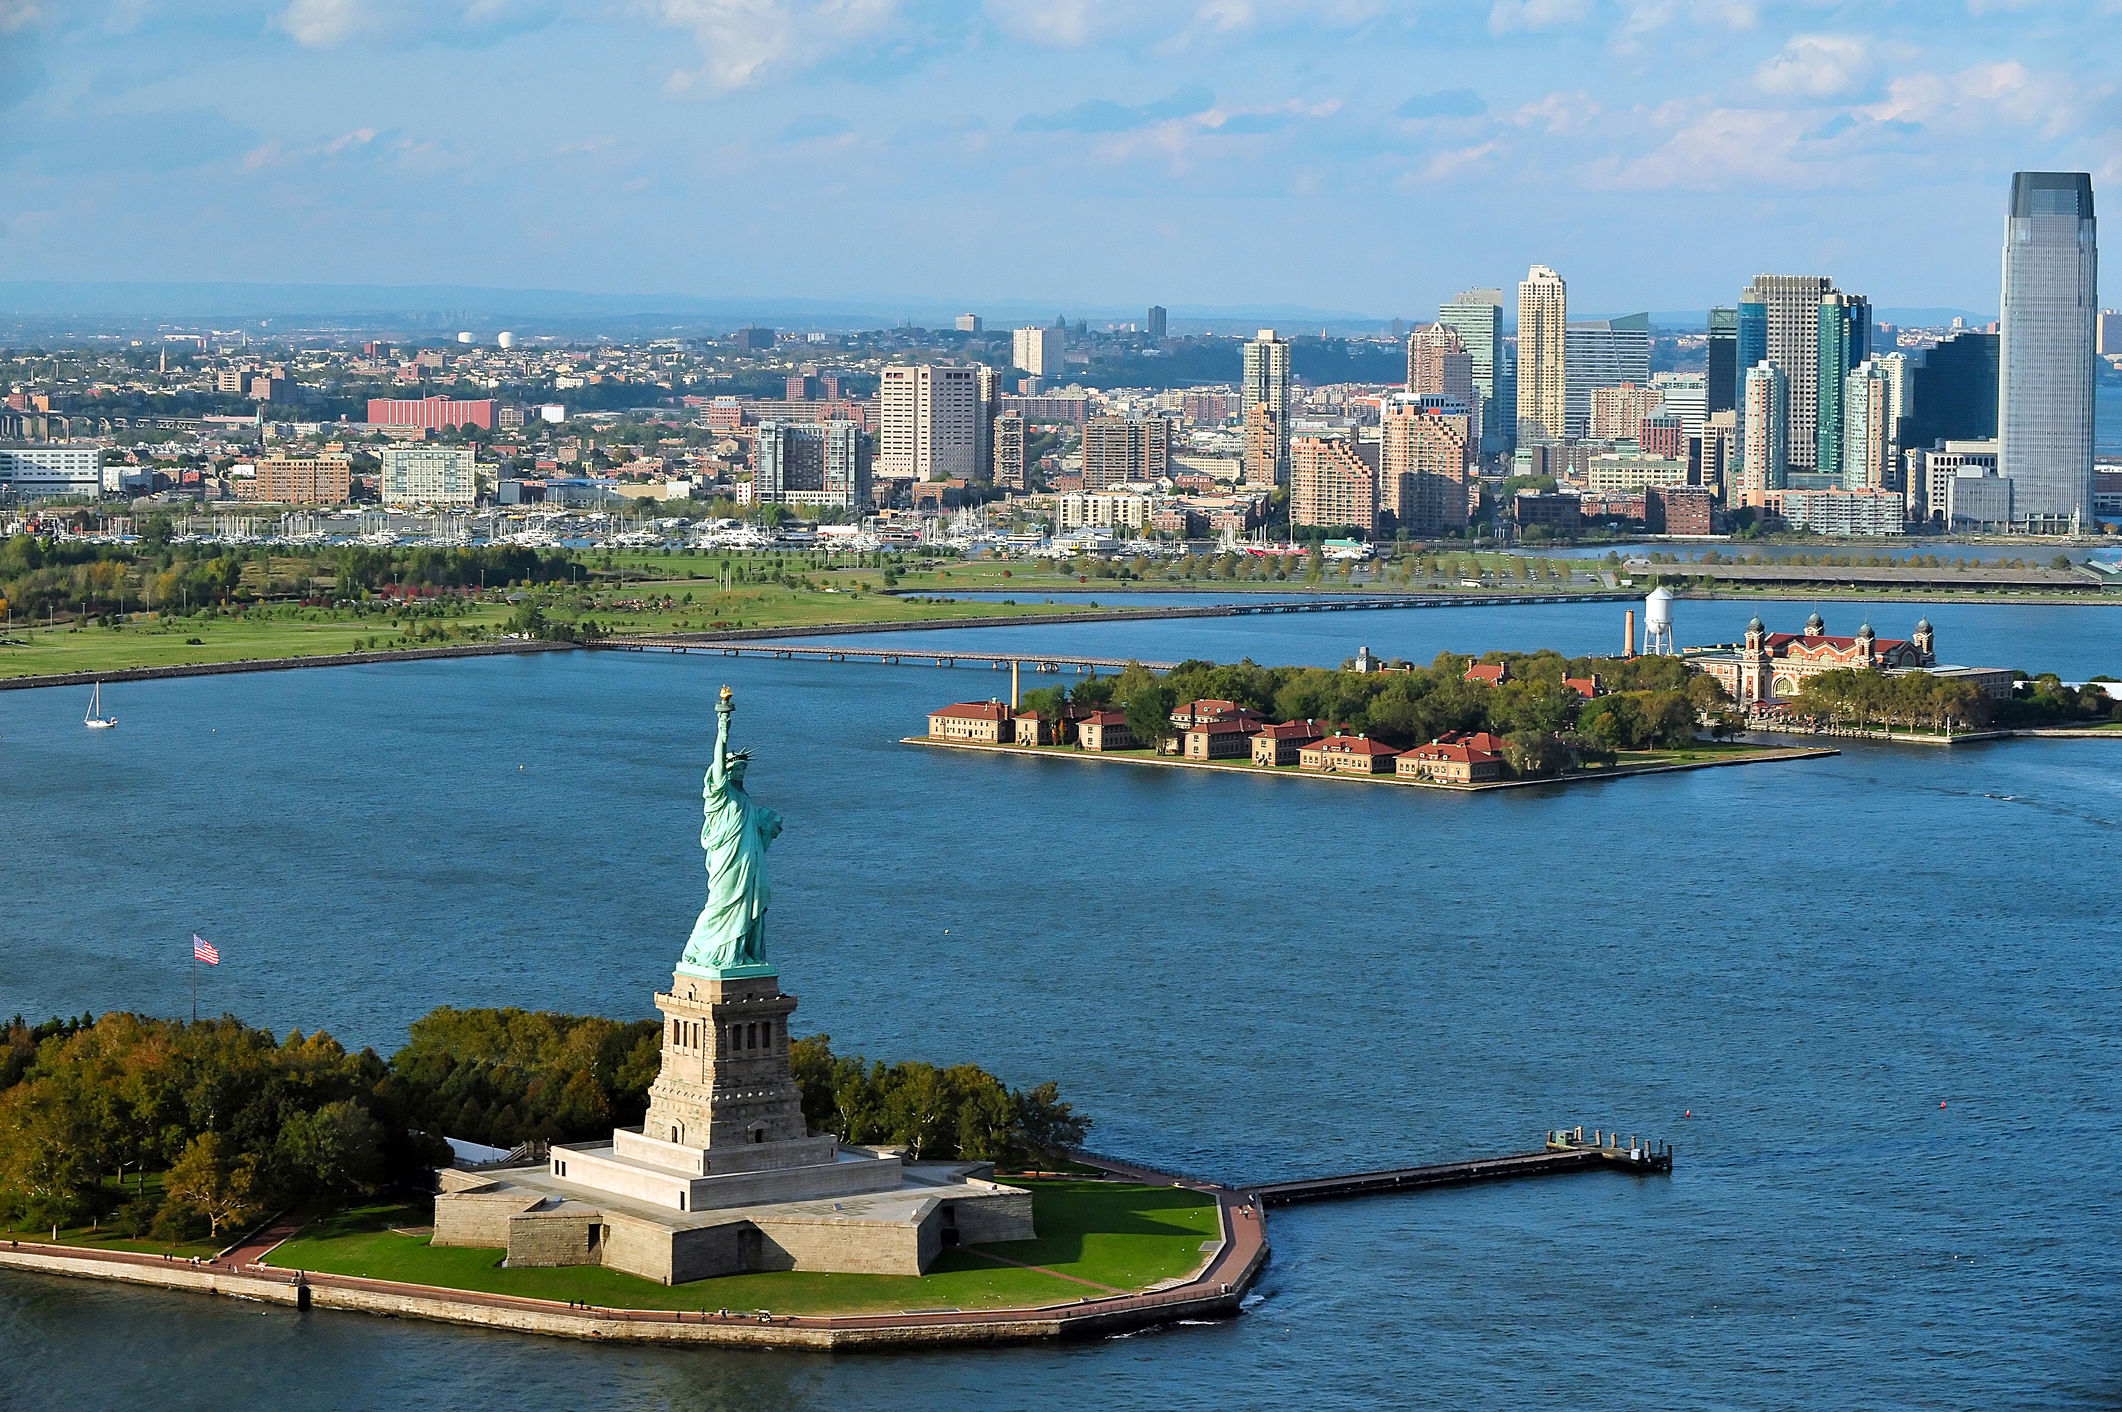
x: 1859, y: 513
x: 1425, y: 450
x: 1105, y: 730
x: 302, y: 480
x: 1602, y: 353
x: 1010, y: 471
x: 1845, y: 342
x: 1439, y: 365
x: 986, y: 722
x: 1779, y: 321
x: 813, y: 464
x: 1764, y: 433
x: 927, y: 422
x: 1331, y: 486
x: 1543, y: 307
x: 2045, y: 391
x: 1223, y: 738
x: 1617, y: 411
x: 1774, y: 666
x: 2107, y: 334
x: 1121, y: 450
x: 1559, y: 513
x: 1455, y: 757
x: 1042, y: 352
x: 44, y: 472
x: 1621, y: 471
x: 423, y: 473
x: 1283, y: 742
x: 431, y: 412
x: 1978, y: 500
x: 1679, y: 509
x: 1347, y: 755
x: 1476, y: 315
x: 1721, y: 375
x: 1266, y: 409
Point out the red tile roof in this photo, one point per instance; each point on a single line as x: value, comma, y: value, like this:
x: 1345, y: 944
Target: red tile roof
x: 1494, y: 676
x: 1355, y: 745
x: 975, y: 711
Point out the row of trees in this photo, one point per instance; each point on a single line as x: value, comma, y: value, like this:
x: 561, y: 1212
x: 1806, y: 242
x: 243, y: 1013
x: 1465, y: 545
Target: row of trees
x: 239, y: 1122
x: 1652, y: 702
x: 935, y: 1114
x: 1920, y: 701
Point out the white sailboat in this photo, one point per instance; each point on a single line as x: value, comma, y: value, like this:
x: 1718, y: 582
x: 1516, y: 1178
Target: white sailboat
x: 95, y: 720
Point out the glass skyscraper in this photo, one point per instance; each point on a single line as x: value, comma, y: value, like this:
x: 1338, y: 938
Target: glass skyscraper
x: 1477, y: 315
x: 1952, y: 392
x: 1845, y: 342
x: 2051, y: 309
x: 1724, y: 364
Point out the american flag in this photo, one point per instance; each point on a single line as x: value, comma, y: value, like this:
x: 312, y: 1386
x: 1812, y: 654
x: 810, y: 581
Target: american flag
x: 204, y: 950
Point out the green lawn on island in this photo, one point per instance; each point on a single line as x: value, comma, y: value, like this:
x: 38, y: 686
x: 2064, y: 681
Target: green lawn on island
x: 1109, y: 1233
x: 102, y: 1237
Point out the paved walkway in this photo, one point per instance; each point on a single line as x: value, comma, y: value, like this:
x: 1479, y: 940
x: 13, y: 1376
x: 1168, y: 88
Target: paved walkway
x: 1228, y: 1271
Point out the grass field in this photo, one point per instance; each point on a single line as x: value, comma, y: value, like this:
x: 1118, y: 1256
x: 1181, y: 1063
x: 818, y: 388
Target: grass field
x: 104, y: 1238
x: 1111, y: 1234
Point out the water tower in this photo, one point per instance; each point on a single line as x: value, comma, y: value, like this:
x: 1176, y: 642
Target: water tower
x: 505, y: 340
x: 464, y: 337
x: 1658, y: 623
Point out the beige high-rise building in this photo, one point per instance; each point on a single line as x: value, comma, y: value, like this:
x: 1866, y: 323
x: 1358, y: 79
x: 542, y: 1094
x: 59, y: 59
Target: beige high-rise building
x: 1423, y: 459
x: 1439, y: 364
x: 1330, y: 485
x: 1266, y: 394
x: 1543, y: 312
x: 1616, y: 412
x: 928, y: 418
x: 1117, y: 450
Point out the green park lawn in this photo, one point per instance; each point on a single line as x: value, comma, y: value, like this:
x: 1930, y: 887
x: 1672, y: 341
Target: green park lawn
x: 1109, y: 1233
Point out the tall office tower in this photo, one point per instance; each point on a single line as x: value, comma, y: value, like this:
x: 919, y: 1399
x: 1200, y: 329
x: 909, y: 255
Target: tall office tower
x: 1440, y: 365
x: 2107, y: 334
x: 927, y: 415
x: 1686, y: 396
x: 1543, y: 308
x: 1426, y: 448
x: 1867, y: 441
x: 1764, y: 433
x: 969, y: 323
x: 1845, y: 341
x: 1952, y: 391
x: 1010, y: 470
x: 2045, y: 388
x: 1039, y: 351
x: 1723, y: 370
x: 1331, y: 486
x: 1154, y: 325
x: 1117, y: 450
x: 987, y: 387
x: 1476, y: 315
x: 811, y: 463
x: 1779, y: 319
x: 1601, y: 353
x: 1266, y: 391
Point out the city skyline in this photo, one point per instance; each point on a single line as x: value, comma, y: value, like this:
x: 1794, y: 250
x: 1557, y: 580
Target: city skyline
x: 560, y: 145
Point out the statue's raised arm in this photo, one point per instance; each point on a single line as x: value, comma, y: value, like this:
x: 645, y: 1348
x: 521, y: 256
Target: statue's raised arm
x: 718, y: 769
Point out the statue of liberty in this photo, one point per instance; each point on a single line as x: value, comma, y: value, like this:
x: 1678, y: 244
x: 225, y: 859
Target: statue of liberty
x: 730, y: 937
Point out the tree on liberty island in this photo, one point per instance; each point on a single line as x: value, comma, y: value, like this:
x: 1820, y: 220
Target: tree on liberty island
x: 962, y: 1112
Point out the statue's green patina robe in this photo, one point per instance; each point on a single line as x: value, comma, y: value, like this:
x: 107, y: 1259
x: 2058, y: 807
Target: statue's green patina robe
x: 735, y: 832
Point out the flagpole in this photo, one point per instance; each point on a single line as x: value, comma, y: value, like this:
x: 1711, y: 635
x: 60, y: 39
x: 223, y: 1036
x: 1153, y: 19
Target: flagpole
x: 195, y: 984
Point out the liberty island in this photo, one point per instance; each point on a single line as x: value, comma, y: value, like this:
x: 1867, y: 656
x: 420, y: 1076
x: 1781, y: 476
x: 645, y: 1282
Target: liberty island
x: 724, y: 1175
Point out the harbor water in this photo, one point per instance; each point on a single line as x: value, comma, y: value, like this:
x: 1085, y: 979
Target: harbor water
x: 1868, y: 999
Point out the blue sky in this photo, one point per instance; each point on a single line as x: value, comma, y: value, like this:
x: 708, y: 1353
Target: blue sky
x: 1351, y: 154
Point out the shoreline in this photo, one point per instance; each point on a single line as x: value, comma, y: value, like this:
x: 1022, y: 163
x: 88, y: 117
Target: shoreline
x: 281, y: 664
x: 1767, y: 756
x: 1212, y: 1291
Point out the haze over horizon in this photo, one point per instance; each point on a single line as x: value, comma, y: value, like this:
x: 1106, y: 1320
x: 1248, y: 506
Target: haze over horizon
x: 1319, y: 154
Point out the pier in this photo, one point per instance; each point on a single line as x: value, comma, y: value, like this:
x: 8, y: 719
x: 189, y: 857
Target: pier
x: 1567, y: 1150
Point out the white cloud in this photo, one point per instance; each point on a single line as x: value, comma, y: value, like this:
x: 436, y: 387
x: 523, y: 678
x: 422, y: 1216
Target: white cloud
x: 1508, y: 15
x: 1817, y: 66
x: 327, y: 24
x: 18, y: 14
x: 745, y: 41
x: 1559, y: 112
x: 1071, y: 24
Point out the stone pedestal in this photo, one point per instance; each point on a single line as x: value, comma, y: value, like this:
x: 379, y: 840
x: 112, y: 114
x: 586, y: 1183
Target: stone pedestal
x: 725, y: 1083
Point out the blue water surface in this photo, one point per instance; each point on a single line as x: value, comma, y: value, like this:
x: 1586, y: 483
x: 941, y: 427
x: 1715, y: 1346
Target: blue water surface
x: 1870, y: 999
